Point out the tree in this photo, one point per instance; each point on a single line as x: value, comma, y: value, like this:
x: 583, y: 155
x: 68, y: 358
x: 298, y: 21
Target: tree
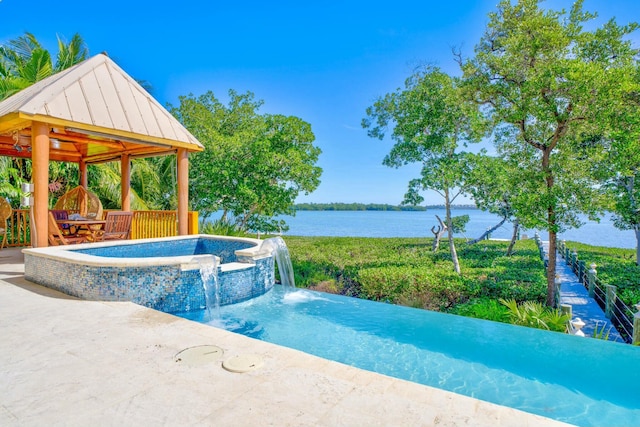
x: 546, y: 82
x: 23, y: 61
x: 430, y: 119
x: 619, y: 167
x: 493, y: 185
x: 253, y: 166
x: 145, y: 187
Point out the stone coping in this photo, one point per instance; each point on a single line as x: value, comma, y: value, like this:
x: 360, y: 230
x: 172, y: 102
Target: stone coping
x: 69, y: 254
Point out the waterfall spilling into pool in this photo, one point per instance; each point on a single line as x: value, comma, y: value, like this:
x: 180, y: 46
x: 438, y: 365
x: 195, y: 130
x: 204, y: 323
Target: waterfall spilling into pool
x: 210, y: 286
x: 281, y: 253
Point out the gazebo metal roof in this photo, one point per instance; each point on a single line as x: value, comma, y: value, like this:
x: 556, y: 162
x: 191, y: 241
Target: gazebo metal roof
x: 97, y: 112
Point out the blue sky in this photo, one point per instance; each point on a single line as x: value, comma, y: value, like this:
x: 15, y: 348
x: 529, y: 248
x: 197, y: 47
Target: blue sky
x: 324, y: 62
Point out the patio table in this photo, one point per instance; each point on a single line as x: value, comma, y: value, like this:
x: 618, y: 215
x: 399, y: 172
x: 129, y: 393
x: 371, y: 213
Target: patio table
x: 91, y: 226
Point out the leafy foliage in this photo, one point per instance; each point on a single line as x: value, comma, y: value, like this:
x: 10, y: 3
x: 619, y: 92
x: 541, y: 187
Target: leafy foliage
x: 23, y: 61
x: 619, y: 164
x: 221, y: 227
x: 483, y: 308
x: 536, y: 315
x: 405, y: 271
x: 601, y: 332
x: 548, y: 84
x: 459, y: 223
x: 430, y: 119
x: 253, y: 166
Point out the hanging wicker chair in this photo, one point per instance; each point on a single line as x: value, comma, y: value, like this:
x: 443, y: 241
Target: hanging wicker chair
x: 5, y: 213
x: 80, y: 201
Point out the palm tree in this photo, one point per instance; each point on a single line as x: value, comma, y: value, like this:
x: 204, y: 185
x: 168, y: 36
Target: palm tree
x: 23, y: 61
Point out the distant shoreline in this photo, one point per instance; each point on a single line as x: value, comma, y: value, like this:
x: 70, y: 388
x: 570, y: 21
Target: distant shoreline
x: 370, y: 207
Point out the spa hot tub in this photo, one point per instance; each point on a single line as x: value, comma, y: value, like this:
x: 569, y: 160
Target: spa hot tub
x: 162, y: 273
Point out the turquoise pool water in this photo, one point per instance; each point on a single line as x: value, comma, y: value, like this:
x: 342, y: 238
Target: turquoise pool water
x: 582, y: 381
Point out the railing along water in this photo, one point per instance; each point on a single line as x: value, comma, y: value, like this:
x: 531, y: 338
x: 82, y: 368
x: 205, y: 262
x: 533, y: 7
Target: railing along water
x: 621, y: 316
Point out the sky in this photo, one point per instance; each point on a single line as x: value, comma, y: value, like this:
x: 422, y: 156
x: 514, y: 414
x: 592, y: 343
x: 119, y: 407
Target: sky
x: 324, y: 62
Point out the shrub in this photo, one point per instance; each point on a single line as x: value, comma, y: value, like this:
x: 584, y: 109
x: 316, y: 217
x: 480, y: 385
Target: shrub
x: 483, y: 308
x: 536, y: 315
x: 406, y: 271
x: 220, y: 227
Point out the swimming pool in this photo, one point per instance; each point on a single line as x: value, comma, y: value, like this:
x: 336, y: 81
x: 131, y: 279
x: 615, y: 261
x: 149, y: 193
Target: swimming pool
x: 581, y: 381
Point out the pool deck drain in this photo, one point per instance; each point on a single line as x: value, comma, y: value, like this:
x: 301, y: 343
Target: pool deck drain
x: 243, y: 363
x: 199, y: 355
x: 69, y: 362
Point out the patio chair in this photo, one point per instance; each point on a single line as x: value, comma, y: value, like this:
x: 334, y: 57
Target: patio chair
x: 117, y: 226
x: 62, y: 214
x: 5, y: 213
x: 81, y: 201
x: 56, y: 236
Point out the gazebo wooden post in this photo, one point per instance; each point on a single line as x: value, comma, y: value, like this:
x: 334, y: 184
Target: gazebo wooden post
x: 125, y: 182
x: 84, y: 179
x: 40, y: 177
x: 182, y: 156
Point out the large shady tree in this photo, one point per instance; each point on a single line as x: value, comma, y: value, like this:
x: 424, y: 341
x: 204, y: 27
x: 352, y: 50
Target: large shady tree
x: 429, y: 119
x: 619, y: 164
x: 548, y: 83
x: 253, y: 166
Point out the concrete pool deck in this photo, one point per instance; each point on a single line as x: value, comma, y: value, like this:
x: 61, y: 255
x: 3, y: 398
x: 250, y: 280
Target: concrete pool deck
x: 65, y: 361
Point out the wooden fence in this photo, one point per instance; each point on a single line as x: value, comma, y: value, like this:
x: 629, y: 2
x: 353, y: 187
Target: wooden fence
x: 145, y: 224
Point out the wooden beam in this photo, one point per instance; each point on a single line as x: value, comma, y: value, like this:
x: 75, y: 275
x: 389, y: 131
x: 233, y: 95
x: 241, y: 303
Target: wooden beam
x: 133, y: 153
x: 84, y: 175
x: 183, y: 191
x: 40, y: 177
x: 125, y: 183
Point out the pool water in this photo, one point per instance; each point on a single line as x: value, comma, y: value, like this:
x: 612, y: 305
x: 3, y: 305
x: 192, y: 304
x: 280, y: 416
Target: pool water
x: 581, y: 381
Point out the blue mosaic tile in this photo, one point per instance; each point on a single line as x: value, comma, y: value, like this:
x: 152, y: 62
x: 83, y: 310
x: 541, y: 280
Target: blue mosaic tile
x: 167, y: 288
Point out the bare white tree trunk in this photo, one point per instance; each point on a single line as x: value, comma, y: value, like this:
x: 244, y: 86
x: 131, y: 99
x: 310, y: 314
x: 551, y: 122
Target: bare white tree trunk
x: 452, y: 246
x: 514, y: 237
x: 438, y: 232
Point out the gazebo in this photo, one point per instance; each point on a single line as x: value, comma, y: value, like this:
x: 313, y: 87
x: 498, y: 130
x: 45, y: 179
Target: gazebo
x: 91, y: 113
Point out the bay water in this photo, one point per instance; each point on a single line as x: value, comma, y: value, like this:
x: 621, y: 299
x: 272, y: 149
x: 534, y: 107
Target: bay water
x: 419, y: 224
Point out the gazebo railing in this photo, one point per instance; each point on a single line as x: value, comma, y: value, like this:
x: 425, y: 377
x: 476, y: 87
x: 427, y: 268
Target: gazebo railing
x: 145, y: 224
x: 18, y: 230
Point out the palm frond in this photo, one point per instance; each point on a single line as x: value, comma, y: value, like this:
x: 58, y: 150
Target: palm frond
x: 24, y: 46
x: 71, y: 54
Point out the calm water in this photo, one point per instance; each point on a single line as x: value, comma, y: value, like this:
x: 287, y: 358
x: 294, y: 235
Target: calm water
x: 418, y: 224
x: 582, y: 381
